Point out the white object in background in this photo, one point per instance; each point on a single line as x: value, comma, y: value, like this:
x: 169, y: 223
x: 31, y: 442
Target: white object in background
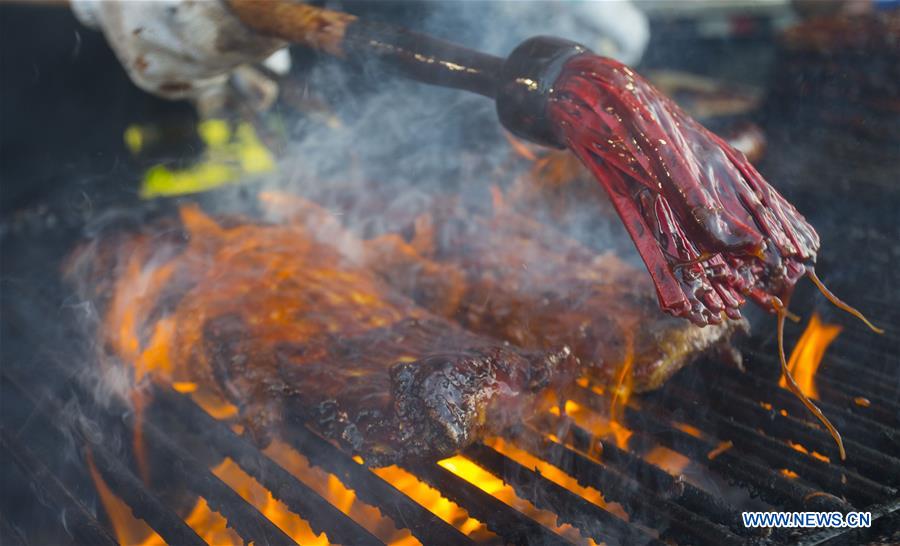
x: 621, y: 29
x: 612, y: 28
x: 178, y: 49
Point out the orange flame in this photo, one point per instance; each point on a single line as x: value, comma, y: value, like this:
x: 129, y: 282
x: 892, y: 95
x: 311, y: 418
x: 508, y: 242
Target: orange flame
x: 432, y: 500
x: 808, y: 353
x: 671, y: 461
x: 555, y: 475
x: 131, y: 531
x: 127, y: 528
x: 330, y: 487
x: 618, y: 392
x: 621, y: 392
x: 600, y: 425
x: 494, y: 486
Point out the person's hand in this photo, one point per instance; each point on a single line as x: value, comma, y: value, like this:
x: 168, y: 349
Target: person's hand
x: 177, y: 48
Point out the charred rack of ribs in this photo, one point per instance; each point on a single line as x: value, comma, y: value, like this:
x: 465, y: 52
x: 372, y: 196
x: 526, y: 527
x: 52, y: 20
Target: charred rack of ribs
x: 502, y: 274
x: 385, y: 345
x: 282, y: 326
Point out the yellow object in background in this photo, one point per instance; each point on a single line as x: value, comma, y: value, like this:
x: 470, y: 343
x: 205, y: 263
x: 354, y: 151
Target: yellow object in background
x: 231, y: 156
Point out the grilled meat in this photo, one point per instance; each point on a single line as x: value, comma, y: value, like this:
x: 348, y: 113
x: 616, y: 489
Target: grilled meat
x: 504, y: 275
x: 282, y: 326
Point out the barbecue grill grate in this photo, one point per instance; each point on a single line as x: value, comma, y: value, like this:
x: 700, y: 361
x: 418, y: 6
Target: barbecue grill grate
x: 744, y: 409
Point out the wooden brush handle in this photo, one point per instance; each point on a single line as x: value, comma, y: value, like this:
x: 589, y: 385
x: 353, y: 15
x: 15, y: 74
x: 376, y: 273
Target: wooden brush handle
x: 413, y: 55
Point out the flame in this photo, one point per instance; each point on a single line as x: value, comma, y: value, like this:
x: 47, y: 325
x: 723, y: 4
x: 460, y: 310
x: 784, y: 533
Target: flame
x: 808, y: 353
x: 671, y: 461
x: 621, y: 392
x: 160, y: 348
x: 131, y: 531
x: 618, y: 392
x: 250, y: 490
x: 127, y: 528
x: 432, y: 500
x: 494, y: 486
x: 158, y: 351
x: 556, y: 475
x: 599, y: 425
x: 334, y: 491
x: 789, y: 473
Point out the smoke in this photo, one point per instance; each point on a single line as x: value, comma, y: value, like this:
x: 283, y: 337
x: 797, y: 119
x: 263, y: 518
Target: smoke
x: 404, y: 142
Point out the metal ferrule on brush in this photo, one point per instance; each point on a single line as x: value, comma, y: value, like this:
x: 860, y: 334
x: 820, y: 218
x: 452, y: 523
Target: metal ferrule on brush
x: 526, y: 83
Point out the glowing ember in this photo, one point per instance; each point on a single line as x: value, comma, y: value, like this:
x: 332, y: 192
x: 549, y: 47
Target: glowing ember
x: 808, y: 353
x: 688, y: 429
x: 721, y: 448
x: 802, y: 449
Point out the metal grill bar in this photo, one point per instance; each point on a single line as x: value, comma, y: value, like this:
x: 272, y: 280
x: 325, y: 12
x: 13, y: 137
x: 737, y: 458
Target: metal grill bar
x: 244, y: 518
x: 771, y: 486
x: 642, y: 504
x: 865, y: 349
x: 372, y: 489
x: 868, y: 461
x: 128, y: 487
x: 509, y: 523
x: 590, y: 520
x: 660, y: 482
x: 297, y: 496
x: 847, y: 375
x: 875, y: 386
x: 241, y: 516
x: 882, y: 409
x: 853, y: 426
x: 82, y: 526
x: 858, y: 489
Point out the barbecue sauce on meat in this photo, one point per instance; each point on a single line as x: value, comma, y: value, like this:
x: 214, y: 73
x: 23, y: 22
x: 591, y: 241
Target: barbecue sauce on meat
x: 502, y: 274
x: 285, y: 328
